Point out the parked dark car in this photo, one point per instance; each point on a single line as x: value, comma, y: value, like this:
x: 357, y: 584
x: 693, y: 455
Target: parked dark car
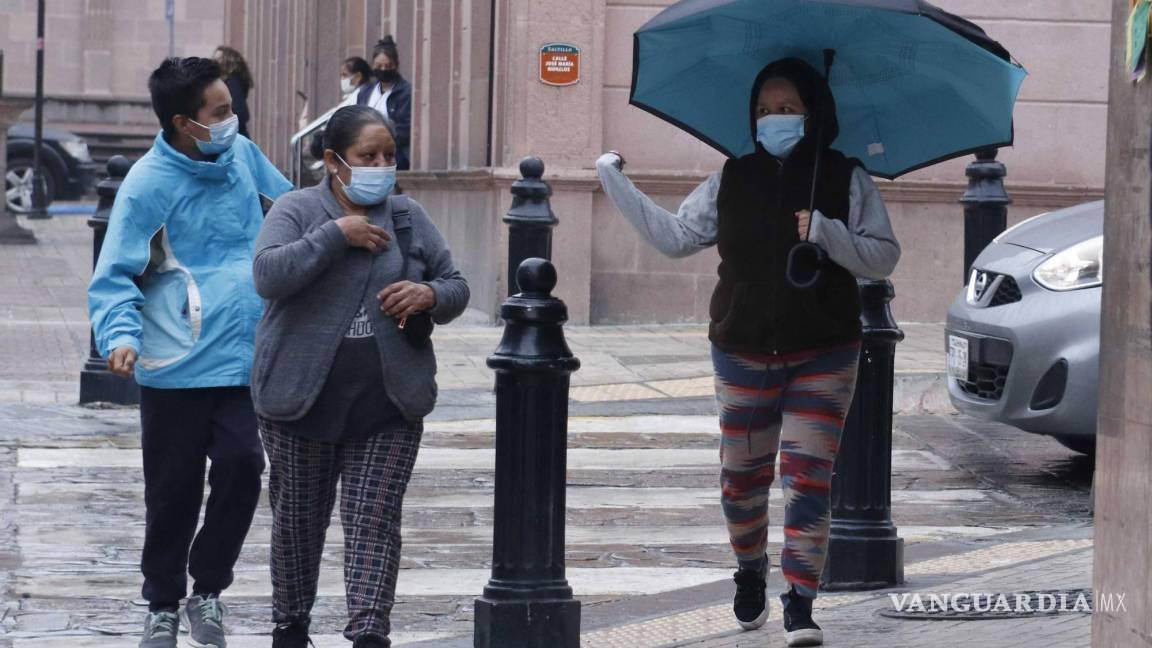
x: 1023, y: 340
x: 69, y: 171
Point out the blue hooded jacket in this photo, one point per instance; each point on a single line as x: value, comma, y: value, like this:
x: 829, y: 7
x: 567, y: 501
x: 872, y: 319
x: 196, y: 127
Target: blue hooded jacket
x: 174, y: 278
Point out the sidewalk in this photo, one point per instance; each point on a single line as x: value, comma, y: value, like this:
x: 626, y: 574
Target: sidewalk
x: 646, y: 554
x: 44, y: 341
x: 1057, y: 560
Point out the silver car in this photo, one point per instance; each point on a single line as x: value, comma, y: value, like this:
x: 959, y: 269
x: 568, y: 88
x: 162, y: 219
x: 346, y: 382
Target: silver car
x: 1023, y: 338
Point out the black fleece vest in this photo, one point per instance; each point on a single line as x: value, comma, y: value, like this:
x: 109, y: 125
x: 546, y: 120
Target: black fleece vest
x: 753, y: 309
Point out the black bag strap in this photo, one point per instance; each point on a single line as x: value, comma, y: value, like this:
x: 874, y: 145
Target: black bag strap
x: 402, y: 223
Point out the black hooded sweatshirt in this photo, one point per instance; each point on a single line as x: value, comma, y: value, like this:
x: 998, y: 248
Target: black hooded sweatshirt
x: 754, y: 309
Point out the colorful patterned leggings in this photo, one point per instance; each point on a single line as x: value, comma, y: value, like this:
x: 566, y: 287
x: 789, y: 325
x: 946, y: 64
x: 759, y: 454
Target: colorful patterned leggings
x: 795, y: 404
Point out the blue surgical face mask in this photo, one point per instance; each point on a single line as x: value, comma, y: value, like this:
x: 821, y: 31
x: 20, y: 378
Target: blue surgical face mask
x: 779, y: 134
x: 223, y: 135
x: 369, y: 185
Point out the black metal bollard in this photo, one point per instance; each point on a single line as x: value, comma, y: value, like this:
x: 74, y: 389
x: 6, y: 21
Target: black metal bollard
x: 985, y: 206
x: 864, y: 551
x: 528, y: 602
x: 97, y: 384
x: 530, y: 220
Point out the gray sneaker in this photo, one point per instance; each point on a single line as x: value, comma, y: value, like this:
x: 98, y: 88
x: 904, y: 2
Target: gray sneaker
x: 205, y: 618
x: 160, y: 630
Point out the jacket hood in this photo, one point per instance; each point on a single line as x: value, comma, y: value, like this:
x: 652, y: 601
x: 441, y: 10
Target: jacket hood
x: 814, y: 92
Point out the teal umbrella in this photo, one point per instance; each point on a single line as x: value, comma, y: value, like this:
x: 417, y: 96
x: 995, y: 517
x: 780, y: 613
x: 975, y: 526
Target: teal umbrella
x: 914, y: 85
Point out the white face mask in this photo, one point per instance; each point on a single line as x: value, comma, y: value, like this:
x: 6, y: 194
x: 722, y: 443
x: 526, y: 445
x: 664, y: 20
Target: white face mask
x: 346, y: 85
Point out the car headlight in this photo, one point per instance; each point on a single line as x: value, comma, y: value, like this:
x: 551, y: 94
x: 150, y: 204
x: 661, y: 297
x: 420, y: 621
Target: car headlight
x: 77, y: 148
x: 1080, y: 266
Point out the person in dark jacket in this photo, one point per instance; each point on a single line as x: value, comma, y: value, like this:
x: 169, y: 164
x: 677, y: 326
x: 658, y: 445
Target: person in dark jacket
x: 785, y: 358
x: 391, y: 96
x: 340, y: 389
x: 239, y: 81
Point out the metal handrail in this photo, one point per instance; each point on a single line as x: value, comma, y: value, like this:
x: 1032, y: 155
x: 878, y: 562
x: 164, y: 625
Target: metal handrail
x: 296, y: 144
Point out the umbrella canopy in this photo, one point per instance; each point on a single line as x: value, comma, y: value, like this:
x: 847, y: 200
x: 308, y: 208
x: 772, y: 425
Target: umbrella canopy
x: 914, y: 85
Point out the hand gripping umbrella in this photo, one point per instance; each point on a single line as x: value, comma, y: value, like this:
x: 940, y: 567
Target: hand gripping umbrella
x: 914, y: 85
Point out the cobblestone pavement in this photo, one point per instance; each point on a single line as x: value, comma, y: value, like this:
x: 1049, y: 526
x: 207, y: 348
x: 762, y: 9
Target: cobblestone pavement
x: 979, y: 505
x: 643, y: 524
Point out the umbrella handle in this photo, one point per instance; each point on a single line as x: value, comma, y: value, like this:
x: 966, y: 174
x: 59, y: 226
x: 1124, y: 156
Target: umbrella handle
x: 805, y: 264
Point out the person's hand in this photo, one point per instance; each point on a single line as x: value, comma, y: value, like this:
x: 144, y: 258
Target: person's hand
x: 803, y: 219
x: 405, y: 298
x: 619, y: 160
x: 122, y: 362
x: 361, y: 233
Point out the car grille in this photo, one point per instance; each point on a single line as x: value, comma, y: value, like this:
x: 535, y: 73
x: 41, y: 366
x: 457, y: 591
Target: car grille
x: 1007, y: 290
x: 1007, y: 293
x: 985, y: 381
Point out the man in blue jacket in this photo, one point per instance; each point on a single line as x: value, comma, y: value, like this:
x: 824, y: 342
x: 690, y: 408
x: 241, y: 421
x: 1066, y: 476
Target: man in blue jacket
x: 172, y: 301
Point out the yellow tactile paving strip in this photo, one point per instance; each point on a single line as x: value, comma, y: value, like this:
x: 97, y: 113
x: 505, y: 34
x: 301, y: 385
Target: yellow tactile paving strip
x: 994, y: 557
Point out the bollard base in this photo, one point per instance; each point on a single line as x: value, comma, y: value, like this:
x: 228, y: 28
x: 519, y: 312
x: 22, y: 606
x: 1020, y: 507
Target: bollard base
x: 527, y: 624
x: 98, y: 385
x: 11, y: 233
x: 858, y: 563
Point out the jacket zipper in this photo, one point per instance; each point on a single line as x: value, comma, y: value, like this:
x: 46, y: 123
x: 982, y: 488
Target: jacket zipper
x: 775, y: 284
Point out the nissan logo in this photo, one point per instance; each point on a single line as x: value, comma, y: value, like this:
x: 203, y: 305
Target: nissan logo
x: 981, y: 283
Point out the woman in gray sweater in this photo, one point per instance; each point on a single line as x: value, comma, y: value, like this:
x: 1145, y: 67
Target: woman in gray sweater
x: 341, y: 389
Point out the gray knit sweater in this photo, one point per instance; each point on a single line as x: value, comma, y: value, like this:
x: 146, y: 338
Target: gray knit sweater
x: 866, y: 247
x: 314, y: 283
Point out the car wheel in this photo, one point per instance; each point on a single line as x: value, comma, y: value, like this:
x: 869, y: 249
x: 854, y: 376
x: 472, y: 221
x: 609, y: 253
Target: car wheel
x: 18, y: 186
x: 1078, y: 444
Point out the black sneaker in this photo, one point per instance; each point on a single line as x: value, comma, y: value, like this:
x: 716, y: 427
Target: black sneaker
x: 291, y: 635
x: 371, y: 641
x: 750, y: 604
x: 799, y: 628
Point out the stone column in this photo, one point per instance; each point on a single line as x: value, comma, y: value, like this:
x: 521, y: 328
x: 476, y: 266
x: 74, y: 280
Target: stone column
x: 97, y: 47
x: 1123, y: 482
x: 561, y: 124
x: 11, y: 233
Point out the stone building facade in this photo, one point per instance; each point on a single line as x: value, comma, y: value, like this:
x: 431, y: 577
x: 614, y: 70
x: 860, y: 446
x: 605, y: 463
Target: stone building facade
x: 97, y: 58
x: 479, y: 107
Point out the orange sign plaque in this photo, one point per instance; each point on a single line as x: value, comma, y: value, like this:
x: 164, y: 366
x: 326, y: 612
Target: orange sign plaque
x: 559, y: 64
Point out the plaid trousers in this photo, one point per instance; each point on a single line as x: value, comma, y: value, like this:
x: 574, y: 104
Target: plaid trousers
x: 794, y: 405
x: 373, y: 475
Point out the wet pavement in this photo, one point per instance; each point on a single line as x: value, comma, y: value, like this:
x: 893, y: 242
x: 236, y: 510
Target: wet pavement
x: 643, y: 518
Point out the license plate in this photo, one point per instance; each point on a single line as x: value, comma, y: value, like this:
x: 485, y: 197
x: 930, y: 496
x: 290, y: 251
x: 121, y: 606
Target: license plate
x: 958, y: 357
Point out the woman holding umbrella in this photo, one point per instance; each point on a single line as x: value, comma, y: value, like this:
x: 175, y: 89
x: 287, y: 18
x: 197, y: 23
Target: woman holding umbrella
x: 796, y: 219
x: 785, y: 358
